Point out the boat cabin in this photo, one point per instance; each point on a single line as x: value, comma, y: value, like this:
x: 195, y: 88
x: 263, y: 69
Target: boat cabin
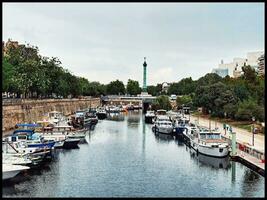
x: 55, y: 114
x: 24, y: 135
x: 161, y: 112
x: 164, y: 123
x: 210, y: 135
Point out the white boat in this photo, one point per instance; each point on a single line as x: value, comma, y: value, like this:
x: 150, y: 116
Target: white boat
x: 16, y: 159
x: 113, y: 109
x: 63, y: 133
x: 79, y: 134
x: 163, y: 125
x: 174, y: 115
x: 101, y: 113
x: 149, y: 116
x: 161, y: 112
x: 56, y: 117
x: 10, y: 171
x: 49, y: 134
x: 207, y: 142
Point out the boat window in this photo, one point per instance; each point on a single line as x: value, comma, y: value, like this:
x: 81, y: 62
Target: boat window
x: 202, y: 136
x: 213, y: 136
x: 22, y: 137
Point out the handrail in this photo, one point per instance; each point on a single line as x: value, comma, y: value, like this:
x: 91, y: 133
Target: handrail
x: 11, y: 145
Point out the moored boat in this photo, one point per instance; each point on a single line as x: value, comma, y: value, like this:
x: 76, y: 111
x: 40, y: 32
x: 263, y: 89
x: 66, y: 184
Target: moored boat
x: 149, y: 116
x: 101, y: 113
x: 9, y: 171
x: 207, y: 142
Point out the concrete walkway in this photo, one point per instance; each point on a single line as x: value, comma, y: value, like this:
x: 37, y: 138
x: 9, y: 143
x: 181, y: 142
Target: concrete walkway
x: 242, y: 135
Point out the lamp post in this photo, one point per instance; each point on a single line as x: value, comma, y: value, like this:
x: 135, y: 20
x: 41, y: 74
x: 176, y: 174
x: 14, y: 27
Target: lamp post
x: 253, y: 120
x: 189, y: 114
x: 209, y: 119
x: 225, y: 114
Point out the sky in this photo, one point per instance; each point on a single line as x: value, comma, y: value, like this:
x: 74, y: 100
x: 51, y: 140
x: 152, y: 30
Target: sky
x: 108, y: 41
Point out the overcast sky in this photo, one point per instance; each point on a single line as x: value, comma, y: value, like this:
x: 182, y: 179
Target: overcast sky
x: 108, y: 41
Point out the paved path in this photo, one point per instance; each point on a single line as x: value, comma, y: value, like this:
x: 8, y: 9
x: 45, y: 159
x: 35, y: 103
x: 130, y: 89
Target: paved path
x: 242, y: 135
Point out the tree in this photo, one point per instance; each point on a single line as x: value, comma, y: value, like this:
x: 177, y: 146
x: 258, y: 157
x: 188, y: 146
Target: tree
x: 151, y: 89
x: 214, y: 97
x: 209, y: 79
x: 248, y: 109
x: 116, y: 87
x: 162, y: 102
x: 184, y: 100
x: 174, y: 89
x: 249, y: 74
x: 133, y: 87
x: 7, y: 76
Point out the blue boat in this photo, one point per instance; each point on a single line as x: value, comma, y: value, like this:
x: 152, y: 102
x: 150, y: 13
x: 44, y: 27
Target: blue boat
x: 180, y: 126
x: 32, y: 139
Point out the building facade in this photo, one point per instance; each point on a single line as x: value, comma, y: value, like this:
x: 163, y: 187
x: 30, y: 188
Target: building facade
x: 223, y: 72
x: 235, y: 67
x: 261, y: 63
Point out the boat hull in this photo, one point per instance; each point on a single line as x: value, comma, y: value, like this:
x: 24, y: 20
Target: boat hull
x: 9, y: 171
x: 42, y: 145
x: 149, y: 119
x: 101, y: 115
x: 163, y: 130
x: 218, y: 152
x: 71, y: 143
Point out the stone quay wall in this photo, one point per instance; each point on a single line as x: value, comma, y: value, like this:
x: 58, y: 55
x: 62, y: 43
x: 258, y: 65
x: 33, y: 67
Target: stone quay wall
x: 28, y: 111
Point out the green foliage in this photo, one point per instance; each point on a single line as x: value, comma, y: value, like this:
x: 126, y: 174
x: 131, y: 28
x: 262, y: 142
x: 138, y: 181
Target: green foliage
x: 133, y: 87
x: 249, y: 74
x: 7, y: 76
x: 162, y: 102
x: 26, y: 72
x: 183, y: 87
x: 154, y: 90
x: 116, y: 88
x: 214, y: 97
x: 209, y: 79
x: 185, y: 100
x: 248, y: 109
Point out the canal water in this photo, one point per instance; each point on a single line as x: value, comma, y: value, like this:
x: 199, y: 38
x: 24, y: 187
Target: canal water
x: 124, y: 158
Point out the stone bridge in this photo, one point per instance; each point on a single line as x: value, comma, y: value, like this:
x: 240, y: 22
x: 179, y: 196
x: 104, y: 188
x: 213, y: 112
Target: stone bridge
x: 124, y: 100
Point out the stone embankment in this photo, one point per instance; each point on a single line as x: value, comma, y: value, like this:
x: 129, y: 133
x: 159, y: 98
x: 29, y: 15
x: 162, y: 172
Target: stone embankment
x: 27, y: 111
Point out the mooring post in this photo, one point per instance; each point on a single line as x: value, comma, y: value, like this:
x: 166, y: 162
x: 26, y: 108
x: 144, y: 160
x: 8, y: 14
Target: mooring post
x: 233, y: 153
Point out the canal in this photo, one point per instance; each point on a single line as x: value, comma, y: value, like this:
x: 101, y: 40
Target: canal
x: 124, y: 158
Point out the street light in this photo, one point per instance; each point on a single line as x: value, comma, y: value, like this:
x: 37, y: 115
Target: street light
x: 209, y: 119
x: 224, y: 125
x: 253, y: 120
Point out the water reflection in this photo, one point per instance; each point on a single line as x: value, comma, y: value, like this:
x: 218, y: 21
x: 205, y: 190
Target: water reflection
x: 179, y: 142
x: 133, y: 118
x: 217, y: 163
x: 163, y: 138
x: 115, y: 116
x: 143, y: 135
x: 250, y: 183
x: 233, y: 172
x: 114, y: 165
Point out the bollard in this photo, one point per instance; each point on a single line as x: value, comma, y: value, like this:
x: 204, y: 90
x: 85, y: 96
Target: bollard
x: 233, y: 153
